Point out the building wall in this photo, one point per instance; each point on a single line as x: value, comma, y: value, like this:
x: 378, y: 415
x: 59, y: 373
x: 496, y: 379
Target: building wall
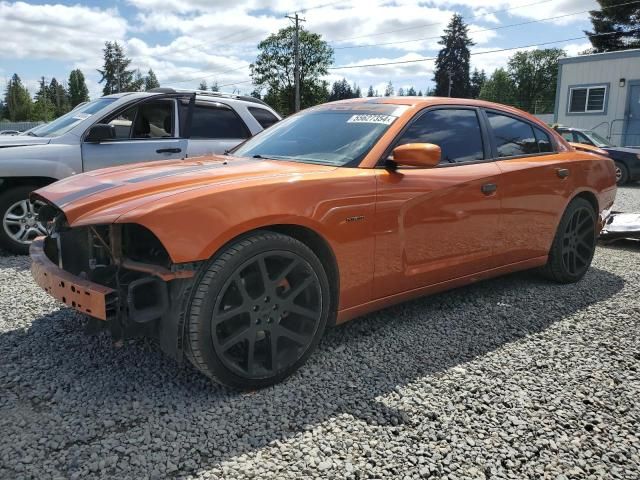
x: 605, y: 68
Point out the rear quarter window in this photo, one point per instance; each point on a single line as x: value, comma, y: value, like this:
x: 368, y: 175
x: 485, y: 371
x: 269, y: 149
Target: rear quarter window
x: 217, y: 122
x: 264, y: 117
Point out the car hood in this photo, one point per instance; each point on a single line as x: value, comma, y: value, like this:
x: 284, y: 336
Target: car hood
x: 111, y: 192
x: 634, y: 151
x: 22, y: 141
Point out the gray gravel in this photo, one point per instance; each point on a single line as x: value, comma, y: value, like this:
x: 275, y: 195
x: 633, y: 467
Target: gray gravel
x: 510, y: 378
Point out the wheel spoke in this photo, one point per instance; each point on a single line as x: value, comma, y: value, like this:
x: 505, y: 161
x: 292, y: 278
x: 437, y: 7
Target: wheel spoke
x: 264, y: 274
x: 286, y: 271
x: 242, y: 288
x: 234, y: 339
x: 227, y: 314
x: 21, y: 234
x: 251, y: 349
x: 294, y: 292
x: 273, y: 346
x: 580, y: 257
x: 291, y: 335
x: 305, y: 312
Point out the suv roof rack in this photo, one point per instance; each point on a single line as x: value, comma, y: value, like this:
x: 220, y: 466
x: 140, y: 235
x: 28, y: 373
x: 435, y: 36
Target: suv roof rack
x: 246, y: 98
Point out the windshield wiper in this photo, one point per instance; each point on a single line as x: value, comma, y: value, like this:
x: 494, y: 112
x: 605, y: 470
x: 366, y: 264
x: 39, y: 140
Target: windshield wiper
x: 257, y: 155
x: 32, y: 134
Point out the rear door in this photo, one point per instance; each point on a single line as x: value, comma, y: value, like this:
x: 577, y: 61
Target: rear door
x: 215, y: 128
x: 534, y: 185
x: 436, y: 224
x: 146, y: 130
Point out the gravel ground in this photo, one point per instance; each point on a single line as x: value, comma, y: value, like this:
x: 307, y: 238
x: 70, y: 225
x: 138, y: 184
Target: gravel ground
x: 510, y: 378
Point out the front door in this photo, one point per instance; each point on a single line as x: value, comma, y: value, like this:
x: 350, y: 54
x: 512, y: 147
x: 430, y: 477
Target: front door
x: 632, y: 129
x: 145, y: 131
x: 441, y: 223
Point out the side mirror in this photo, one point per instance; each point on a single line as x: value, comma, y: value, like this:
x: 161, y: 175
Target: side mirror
x: 422, y: 155
x: 101, y: 132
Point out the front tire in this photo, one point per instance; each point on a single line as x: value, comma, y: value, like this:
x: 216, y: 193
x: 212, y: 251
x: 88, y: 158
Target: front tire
x: 574, y: 243
x: 258, y: 311
x: 18, y: 220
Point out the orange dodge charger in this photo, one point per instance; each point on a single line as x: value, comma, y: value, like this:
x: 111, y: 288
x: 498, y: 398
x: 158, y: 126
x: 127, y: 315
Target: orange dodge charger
x: 239, y: 262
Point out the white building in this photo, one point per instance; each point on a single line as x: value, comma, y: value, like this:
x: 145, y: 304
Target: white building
x: 601, y: 92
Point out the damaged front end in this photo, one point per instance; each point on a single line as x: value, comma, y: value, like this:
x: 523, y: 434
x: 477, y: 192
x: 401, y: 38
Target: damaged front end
x: 119, y: 274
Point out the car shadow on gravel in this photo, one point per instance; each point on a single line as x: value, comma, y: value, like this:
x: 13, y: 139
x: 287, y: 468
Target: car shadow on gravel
x: 77, y: 401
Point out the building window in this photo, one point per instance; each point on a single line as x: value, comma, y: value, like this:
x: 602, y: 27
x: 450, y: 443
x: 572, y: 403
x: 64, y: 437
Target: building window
x: 587, y: 99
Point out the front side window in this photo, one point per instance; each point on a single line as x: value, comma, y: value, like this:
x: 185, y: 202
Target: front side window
x: 456, y: 131
x: 513, y: 137
x: 148, y: 120
x: 330, y: 135
x: 217, y: 122
x: 587, y: 99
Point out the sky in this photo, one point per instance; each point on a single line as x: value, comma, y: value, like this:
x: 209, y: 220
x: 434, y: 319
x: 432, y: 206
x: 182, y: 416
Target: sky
x: 188, y: 41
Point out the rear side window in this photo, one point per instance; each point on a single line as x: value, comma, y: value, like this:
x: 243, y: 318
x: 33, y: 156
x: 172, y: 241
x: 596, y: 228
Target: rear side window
x: 568, y: 136
x: 264, y: 117
x: 543, y: 140
x: 456, y: 131
x: 513, y: 137
x: 216, y: 122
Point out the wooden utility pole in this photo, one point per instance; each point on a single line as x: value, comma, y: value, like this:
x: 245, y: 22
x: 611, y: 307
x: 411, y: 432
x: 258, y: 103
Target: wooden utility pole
x: 296, y: 65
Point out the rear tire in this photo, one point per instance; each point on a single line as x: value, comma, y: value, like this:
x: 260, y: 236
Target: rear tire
x: 622, y: 173
x: 258, y: 311
x: 18, y: 225
x: 574, y: 243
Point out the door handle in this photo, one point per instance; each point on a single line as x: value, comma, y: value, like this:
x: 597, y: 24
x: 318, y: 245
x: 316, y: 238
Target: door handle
x: 562, y: 172
x: 169, y: 150
x: 489, y: 188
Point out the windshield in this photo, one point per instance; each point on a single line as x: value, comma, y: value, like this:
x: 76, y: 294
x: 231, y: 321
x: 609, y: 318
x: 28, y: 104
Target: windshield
x: 597, y: 139
x: 328, y: 135
x: 66, y: 122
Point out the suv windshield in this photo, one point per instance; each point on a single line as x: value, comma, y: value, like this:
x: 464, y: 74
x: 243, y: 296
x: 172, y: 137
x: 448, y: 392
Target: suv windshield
x: 66, y: 122
x: 329, y: 135
x: 596, y: 139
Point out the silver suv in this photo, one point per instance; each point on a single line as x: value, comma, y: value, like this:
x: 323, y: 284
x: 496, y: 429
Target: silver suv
x: 163, y: 123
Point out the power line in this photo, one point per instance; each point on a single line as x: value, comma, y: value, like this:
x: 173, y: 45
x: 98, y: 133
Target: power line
x: 477, y: 31
x: 426, y: 59
x: 439, y: 23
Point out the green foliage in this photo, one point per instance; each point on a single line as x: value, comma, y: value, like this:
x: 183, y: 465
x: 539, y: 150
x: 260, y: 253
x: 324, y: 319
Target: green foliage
x: 78, y: 91
x: 203, y: 85
x: 535, y: 74
x: 618, y: 19
x: 151, y: 81
x: 43, y: 108
x: 389, y: 90
x: 499, y: 88
x: 342, y: 90
x: 115, y: 73
x: 59, y: 97
x: 453, y: 60
x: 17, y: 101
x: 411, y: 92
x: 401, y: 92
x: 273, y: 69
x: 477, y: 80
x: 370, y: 92
x: 214, y: 87
x: 419, y: 93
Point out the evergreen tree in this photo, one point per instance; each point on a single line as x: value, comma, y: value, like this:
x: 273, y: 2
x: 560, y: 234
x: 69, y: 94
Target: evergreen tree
x: 151, y: 81
x: 370, y: 92
x: 43, y: 107
x: 388, y: 91
x: 203, y: 85
x: 618, y: 18
x: 341, y: 90
x: 477, y: 80
x: 357, y: 93
x: 411, y: 92
x: 401, y: 92
x: 137, y: 84
x: 419, y: 93
x: 452, y: 64
x: 499, y: 88
x: 58, y: 97
x: 78, y: 91
x: 18, y: 103
x: 214, y: 87
x: 115, y: 73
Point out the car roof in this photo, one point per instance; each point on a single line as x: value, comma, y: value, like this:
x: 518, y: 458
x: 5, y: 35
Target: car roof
x: 423, y: 102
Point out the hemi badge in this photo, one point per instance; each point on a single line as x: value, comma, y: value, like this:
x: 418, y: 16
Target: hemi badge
x: 356, y: 218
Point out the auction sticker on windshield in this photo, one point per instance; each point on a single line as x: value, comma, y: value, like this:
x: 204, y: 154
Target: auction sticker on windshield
x: 370, y: 118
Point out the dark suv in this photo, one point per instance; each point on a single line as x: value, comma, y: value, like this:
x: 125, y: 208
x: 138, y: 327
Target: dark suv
x: 627, y: 159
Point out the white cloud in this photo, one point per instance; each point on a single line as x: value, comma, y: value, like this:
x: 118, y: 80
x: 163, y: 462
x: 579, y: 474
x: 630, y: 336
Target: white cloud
x: 57, y: 31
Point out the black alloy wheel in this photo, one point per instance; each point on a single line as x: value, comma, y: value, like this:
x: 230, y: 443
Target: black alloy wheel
x: 574, y: 244
x: 263, y: 306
